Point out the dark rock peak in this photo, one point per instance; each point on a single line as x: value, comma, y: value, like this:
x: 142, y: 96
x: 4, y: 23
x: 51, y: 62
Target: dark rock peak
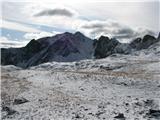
x: 64, y: 36
x: 107, y: 40
x: 104, y: 38
x: 32, y: 43
x: 148, y: 37
x: 33, y: 46
x: 81, y: 37
x: 67, y: 34
x: 78, y: 33
x: 143, y: 43
x: 104, y: 47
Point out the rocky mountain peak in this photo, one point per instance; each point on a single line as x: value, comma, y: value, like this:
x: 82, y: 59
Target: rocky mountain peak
x: 148, y: 38
x: 78, y: 33
x: 143, y: 43
x: 103, y: 38
x: 69, y: 47
x: 104, y: 47
x: 64, y: 47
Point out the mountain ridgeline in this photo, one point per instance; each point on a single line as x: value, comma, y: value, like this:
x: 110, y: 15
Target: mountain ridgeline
x: 105, y: 46
x: 68, y: 47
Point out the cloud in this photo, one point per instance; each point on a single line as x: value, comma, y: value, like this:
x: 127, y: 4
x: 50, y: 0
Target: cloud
x: 94, y: 25
x: 53, y: 15
x: 17, y: 26
x: 64, y: 17
x: 56, y: 12
x: 7, y: 43
x: 113, y: 29
x: 30, y: 36
x: 147, y: 12
x: 97, y: 24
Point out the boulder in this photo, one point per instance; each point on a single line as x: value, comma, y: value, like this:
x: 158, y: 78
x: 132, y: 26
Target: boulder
x: 20, y: 101
x: 120, y: 116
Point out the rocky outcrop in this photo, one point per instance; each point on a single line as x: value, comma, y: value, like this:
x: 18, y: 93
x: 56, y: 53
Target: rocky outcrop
x: 18, y: 101
x: 120, y: 116
x: 105, y: 47
x: 153, y: 114
x: 143, y: 43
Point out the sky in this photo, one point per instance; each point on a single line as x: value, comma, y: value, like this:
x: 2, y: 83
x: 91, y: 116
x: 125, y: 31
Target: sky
x: 125, y: 20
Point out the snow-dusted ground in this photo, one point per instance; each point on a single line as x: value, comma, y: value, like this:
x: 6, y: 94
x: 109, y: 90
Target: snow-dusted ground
x: 85, y: 90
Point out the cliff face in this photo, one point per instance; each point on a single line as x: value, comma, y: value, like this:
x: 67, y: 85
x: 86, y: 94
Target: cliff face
x: 105, y: 47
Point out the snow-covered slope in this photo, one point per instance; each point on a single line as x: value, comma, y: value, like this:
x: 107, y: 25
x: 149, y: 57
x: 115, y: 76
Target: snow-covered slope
x: 125, y: 87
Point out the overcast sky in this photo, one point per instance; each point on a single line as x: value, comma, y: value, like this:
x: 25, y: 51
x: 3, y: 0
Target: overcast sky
x: 125, y: 20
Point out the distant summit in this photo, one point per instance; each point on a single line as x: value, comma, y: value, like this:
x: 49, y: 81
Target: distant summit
x: 105, y: 46
x: 143, y: 43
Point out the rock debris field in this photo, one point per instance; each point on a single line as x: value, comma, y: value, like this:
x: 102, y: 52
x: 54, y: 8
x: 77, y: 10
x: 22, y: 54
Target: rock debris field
x: 119, y: 87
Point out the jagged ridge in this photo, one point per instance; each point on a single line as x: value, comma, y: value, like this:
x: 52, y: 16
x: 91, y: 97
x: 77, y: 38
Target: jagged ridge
x: 69, y: 47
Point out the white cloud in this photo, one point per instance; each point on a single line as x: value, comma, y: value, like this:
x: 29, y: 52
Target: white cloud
x: 30, y: 36
x: 17, y: 26
x: 48, y: 9
x: 53, y: 15
x: 111, y: 28
x: 92, y: 18
x: 55, y: 12
x: 134, y: 13
x: 6, y: 43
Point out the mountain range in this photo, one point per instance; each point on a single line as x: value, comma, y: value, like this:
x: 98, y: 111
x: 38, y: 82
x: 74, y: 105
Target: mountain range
x: 68, y: 47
